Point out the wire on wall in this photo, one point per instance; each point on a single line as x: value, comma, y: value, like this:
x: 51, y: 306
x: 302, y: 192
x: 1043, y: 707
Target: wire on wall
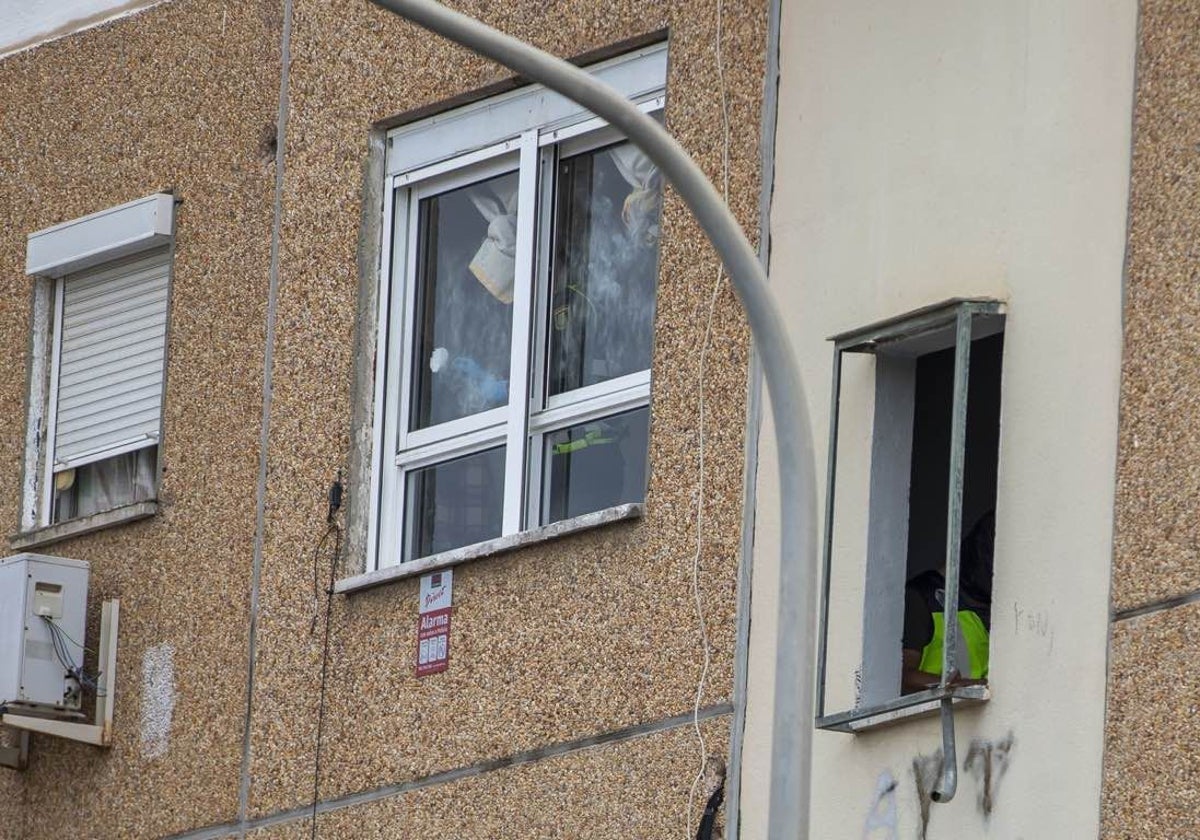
x: 332, y: 528
x: 712, y: 305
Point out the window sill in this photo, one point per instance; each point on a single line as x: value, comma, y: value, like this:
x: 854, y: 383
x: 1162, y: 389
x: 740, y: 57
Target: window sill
x: 60, y: 531
x: 921, y: 704
x: 490, y: 548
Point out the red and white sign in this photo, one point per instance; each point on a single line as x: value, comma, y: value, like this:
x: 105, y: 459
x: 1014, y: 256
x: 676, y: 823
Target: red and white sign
x: 433, y: 623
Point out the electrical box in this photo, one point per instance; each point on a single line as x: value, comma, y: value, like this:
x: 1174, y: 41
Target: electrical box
x: 43, y: 615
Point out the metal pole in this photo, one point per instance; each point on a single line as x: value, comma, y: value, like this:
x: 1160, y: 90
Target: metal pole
x: 948, y: 784
x: 791, y: 754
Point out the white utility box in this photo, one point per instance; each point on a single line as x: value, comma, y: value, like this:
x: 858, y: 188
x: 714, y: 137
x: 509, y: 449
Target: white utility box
x: 37, y: 591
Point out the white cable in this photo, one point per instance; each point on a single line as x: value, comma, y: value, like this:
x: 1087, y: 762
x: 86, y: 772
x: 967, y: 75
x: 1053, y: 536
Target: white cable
x: 712, y: 305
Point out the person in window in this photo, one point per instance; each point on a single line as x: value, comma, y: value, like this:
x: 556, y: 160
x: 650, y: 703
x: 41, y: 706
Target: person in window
x: 924, y: 617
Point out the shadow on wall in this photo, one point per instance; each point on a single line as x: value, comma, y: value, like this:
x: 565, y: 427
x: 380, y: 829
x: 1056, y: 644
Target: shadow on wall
x: 986, y: 762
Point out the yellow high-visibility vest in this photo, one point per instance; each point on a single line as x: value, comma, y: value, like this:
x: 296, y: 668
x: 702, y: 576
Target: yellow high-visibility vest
x: 973, y: 642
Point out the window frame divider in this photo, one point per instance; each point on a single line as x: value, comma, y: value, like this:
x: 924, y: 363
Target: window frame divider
x: 459, y: 164
x: 384, y: 423
x: 517, y: 426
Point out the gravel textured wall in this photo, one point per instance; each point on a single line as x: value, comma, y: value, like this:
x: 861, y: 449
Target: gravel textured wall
x: 551, y: 644
x: 181, y: 97
x: 1151, y: 775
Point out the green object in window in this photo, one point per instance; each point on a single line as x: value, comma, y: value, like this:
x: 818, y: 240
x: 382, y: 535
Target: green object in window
x: 974, y: 639
x: 593, y: 437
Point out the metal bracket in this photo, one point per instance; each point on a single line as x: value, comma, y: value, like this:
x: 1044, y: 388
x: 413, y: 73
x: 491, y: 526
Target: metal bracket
x: 16, y: 757
x: 98, y: 733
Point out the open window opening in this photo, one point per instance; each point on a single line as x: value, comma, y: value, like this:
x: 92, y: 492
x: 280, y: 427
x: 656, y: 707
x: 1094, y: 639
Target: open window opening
x: 914, y: 451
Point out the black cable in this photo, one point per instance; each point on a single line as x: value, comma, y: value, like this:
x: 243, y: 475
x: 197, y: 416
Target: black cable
x: 708, y: 822
x: 335, y: 503
x: 65, y: 636
x: 316, y: 573
x: 60, y: 641
x: 324, y: 676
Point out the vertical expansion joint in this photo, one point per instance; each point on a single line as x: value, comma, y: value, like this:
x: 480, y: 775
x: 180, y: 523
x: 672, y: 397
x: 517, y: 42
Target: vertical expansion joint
x: 264, y: 437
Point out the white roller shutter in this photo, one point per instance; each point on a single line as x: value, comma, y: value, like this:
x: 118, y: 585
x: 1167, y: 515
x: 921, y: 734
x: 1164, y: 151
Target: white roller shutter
x: 112, y: 340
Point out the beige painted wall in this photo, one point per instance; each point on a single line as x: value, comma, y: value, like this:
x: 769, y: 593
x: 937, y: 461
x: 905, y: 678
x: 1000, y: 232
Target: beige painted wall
x: 943, y: 149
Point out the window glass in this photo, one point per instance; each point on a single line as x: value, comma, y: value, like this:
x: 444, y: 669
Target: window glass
x: 605, y: 264
x: 596, y: 465
x: 104, y: 485
x: 455, y: 503
x: 466, y: 242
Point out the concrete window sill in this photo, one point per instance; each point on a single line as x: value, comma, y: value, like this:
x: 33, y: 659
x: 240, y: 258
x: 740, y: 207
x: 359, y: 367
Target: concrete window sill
x: 60, y: 531
x: 490, y: 548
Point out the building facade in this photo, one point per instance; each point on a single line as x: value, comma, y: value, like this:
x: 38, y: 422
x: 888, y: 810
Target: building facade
x: 320, y: 323
x: 1041, y: 158
x: 282, y: 134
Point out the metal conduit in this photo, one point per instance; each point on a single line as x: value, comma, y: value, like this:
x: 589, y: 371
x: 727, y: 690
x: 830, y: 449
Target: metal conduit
x: 791, y: 753
x: 948, y: 783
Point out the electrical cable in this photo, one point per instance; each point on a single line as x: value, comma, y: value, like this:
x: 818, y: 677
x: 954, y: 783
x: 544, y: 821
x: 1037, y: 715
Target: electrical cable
x: 59, y: 640
x: 68, y: 638
x: 712, y: 304
x: 335, y: 503
x: 63, y: 652
x: 316, y: 576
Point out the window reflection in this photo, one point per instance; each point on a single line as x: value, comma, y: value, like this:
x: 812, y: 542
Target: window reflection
x: 605, y: 265
x: 455, y: 503
x: 466, y: 241
x: 596, y: 465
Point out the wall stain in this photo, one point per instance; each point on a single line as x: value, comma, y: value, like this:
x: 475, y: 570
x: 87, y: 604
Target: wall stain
x: 158, y: 699
x: 988, y: 761
x: 926, y: 770
x: 882, y: 820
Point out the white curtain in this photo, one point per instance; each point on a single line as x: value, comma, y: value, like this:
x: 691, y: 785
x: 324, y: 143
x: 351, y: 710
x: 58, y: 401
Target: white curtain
x: 104, y: 485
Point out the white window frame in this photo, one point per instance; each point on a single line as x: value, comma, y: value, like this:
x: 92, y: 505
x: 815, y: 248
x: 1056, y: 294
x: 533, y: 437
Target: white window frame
x: 524, y: 131
x: 53, y: 256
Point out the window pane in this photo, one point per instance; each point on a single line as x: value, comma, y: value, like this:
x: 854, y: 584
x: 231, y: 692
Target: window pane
x: 104, y: 485
x: 455, y: 503
x: 605, y: 267
x: 596, y: 465
x: 466, y: 244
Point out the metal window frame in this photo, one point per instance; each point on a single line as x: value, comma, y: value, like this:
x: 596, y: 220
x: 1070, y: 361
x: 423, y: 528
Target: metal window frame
x: 959, y: 314
x: 521, y: 424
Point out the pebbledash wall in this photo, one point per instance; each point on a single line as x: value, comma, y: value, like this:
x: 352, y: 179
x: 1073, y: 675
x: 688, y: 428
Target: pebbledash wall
x: 1151, y: 768
x: 950, y: 149
x: 262, y: 118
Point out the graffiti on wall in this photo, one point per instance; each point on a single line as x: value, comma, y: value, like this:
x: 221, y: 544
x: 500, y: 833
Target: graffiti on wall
x: 986, y: 762
x: 926, y: 770
x: 883, y: 819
